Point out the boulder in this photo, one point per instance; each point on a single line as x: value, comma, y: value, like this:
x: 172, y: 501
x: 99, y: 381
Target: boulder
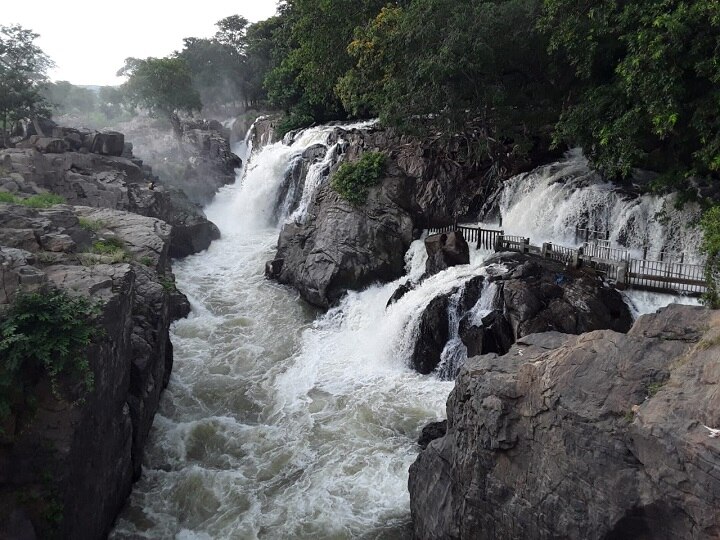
x: 433, y: 334
x: 341, y: 246
x: 598, y: 436
x: 530, y: 294
x: 446, y: 250
x: 108, y: 143
x: 432, y: 431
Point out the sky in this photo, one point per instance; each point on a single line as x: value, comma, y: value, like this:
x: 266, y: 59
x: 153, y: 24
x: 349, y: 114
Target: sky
x: 89, y: 41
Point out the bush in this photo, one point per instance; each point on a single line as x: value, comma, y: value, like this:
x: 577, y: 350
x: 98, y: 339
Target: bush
x: 44, y: 200
x: 353, y: 180
x: 710, y: 225
x: 46, y: 331
x: 92, y: 225
x: 108, y: 246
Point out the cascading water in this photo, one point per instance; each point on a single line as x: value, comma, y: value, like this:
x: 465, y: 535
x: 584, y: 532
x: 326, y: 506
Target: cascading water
x: 278, y: 426
x: 275, y: 426
x: 550, y: 202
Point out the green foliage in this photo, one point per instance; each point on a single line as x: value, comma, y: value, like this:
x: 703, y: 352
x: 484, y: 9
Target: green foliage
x: 42, y: 200
x: 354, y: 180
x: 311, y: 54
x: 434, y: 64
x: 710, y: 225
x: 161, y: 85
x: 47, y: 331
x: 90, y: 106
x: 23, y: 68
x: 167, y: 283
x: 649, y: 78
x: 654, y: 387
x: 92, y: 225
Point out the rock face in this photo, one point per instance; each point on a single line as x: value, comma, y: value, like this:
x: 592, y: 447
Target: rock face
x: 197, y: 159
x: 425, y: 183
x: 446, y: 250
x: 342, y: 246
x: 526, y: 294
x: 598, y: 436
x: 66, y: 467
x: 107, y: 181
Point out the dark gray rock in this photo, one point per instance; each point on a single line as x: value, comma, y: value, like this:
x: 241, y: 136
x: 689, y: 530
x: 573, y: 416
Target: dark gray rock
x: 432, y: 431
x: 446, y: 250
x: 598, y: 436
x: 433, y: 334
x: 539, y: 295
x: 343, y: 247
x: 82, y: 455
x: 401, y: 291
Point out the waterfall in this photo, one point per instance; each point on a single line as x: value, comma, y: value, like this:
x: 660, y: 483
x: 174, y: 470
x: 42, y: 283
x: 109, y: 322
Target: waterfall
x: 282, y: 423
x: 278, y: 423
x: 548, y: 203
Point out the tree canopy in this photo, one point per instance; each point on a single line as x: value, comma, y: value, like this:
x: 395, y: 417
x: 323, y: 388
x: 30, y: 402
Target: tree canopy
x: 23, y: 71
x: 163, y: 86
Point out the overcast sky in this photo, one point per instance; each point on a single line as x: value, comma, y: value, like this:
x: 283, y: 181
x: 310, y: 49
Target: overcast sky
x: 89, y: 41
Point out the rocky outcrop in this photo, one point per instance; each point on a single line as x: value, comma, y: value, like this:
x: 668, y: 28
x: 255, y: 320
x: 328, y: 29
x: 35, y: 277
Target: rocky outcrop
x: 426, y: 182
x: 67, y: 463
x: 106, y: 181
x: 446, y: 250
x: 341, y: 246
x: 596, y: 436
x: 525, y: 294
x: 194, y: 156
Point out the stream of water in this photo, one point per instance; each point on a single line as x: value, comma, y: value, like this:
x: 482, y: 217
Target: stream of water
x: 280, y: 422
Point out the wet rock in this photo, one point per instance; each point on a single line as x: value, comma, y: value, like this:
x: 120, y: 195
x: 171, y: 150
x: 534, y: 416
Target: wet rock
x: 613, y: 420
x: 432, y: 431
x: 446, y: 250
x: 322, y: 264
x: 401, y: 291
x: 539, y: 295
x: 273, y: 268
x: 433, y: 334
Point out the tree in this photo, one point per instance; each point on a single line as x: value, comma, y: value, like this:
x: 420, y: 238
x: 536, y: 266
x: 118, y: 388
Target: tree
x: 163, y: 86
x: 23, y: 68
x: 650, y: 79
x: 454, y: 67
x: 312, y: 53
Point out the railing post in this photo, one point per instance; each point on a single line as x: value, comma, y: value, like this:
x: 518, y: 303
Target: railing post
x: 526, y: 245
x: 499, y: 242
x: 645, y: 253
x: 500, y: 222
x: 587, y: 235
x: 577, y: 257
x: 546, y: 248
x: 622, y: 275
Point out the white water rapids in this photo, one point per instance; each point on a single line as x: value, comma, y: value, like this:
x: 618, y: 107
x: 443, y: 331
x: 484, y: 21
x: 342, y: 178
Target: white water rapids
x: 279, y: 422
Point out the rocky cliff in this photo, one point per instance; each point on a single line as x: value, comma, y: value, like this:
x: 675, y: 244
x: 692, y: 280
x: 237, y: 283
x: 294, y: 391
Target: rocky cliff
x: 599, y: 436
x: 68, y: 458
x: 69, y: 454
x: 341, y: 246
x: 107, y: 177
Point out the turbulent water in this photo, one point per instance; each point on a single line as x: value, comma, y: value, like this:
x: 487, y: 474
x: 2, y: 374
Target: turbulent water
x: 280, y: 422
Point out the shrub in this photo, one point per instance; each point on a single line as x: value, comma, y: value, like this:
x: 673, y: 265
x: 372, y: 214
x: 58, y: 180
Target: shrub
x: 48, y: 331
x: 710, y: 225
x: 92, y: 225
x: 6, y: 197
x: 43, y: 200
x: 353, y: 180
